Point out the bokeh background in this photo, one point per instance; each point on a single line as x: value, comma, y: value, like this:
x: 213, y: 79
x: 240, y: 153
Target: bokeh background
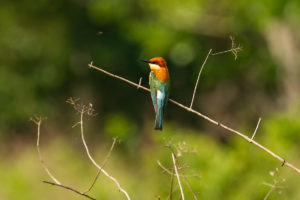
x: 45, y: 48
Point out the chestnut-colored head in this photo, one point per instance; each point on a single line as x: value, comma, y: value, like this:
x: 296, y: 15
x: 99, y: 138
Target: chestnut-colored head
x: 156, y: 63
x: 159, y: 66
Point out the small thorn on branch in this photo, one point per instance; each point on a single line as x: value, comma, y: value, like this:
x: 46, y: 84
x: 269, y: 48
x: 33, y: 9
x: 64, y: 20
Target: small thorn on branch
x: 257, y: 125
x: 283, y: 163
x: 91, y: 64
x: 140, y: 82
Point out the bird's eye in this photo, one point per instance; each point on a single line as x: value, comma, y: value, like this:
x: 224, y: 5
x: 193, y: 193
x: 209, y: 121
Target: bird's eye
x: 154, y: 62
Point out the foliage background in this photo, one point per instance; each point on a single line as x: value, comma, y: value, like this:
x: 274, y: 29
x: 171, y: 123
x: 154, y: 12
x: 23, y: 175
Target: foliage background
x: 45, y: 47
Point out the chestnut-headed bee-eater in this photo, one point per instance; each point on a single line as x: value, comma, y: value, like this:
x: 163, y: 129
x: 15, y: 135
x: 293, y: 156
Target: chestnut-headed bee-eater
x: 159, y: 82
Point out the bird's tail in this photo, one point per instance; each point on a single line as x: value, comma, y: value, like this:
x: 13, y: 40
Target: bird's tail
x: 158, y: 118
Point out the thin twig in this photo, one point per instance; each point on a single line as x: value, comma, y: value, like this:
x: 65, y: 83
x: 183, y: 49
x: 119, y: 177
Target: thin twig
x: 196, y: 85
x: 227, y: 51
x: 38, y: 122
x: 269, y: 192
x: 69, y: 188
x: 177, y: 175
x: 257, y: 125
x: 206, y: 118
x: 273, y: 185
x: 103, y: 165
x: 95, y: 163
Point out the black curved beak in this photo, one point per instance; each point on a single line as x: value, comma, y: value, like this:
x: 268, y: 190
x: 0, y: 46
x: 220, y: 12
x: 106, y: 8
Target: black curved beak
x: 146, y: 61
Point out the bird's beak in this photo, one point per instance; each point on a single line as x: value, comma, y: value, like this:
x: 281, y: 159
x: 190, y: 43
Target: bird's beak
x: 146, y: 61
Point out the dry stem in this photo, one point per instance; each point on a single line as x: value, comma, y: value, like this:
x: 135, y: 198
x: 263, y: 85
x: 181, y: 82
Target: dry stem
x: 38, y: 122
x: 69, y: 188
x: 196, y: 85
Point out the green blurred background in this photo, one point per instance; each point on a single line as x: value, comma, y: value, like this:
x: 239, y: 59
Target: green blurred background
x: 45, y: 47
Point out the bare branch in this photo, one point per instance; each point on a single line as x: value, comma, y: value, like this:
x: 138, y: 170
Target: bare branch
x: 118, y: 77
x: 196, y: 85
x: 94, y: 162
x: 257, y: 125
x: 69, y: 188
x: 103, y: 164
x: 177, y: 175
x: 206, y: 118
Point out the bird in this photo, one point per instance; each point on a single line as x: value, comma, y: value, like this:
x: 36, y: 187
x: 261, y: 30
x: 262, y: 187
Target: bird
x: 159, y: 81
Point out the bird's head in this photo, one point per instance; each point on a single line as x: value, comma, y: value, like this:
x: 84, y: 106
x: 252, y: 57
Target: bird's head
x: 156, y: 63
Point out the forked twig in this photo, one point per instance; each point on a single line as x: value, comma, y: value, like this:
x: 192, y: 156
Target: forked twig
x: 189, y: 185
x: 283, y: 161
x: 170, y: 172
x: 180, y: 174
x: 103, y: 165
x: 276, y: 182
x: 177, y: 175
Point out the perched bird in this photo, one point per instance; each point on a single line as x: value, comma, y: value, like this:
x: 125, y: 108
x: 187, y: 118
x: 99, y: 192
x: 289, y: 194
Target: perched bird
x: 159, y: 82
